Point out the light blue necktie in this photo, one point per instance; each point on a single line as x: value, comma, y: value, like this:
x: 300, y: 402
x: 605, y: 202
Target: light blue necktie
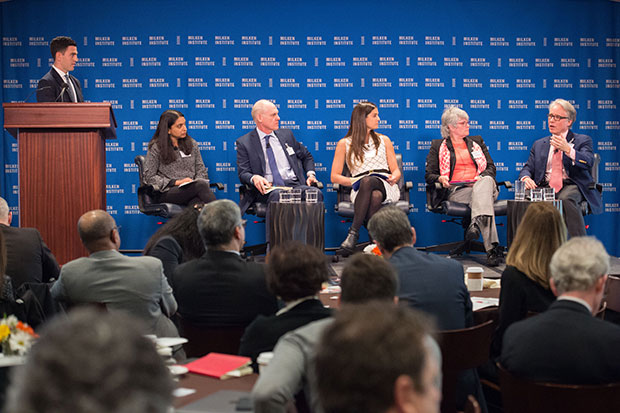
x: 275, y: 172
x: 70, y: 89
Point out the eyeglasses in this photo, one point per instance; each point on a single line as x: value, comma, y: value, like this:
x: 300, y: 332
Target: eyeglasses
x: 244, y: 222
x: 556, y: 117
x: 462, y: 122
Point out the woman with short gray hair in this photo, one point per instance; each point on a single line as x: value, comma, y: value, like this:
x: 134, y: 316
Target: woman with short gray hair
x: 463, y: 167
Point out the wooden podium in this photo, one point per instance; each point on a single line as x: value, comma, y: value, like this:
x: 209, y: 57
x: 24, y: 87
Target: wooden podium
x: 62, y: 170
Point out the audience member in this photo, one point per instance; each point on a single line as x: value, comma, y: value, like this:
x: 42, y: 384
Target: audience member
x: 220, y: 288
x: 364, y: 278
x: 8, y: 305
x: 295, y: 274
x: 463, y: 166
x: 378, y: 358
x: 28, y: 258
x: 427, y: 282
x: 177, y: 241
x: 92, y: 362
x: 134, y: 285
x: 174, y: 165
x: 571, y: 156
x: 371, y: 160
x: 58, y: 85
x: 525, y: 280
x: 566, y: 344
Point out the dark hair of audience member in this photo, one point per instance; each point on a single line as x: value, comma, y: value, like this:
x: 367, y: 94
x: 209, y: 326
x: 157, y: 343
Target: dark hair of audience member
x: 184, y: 230
x: 161, y: 137
x: 358, y: 131
x: 364, y: 351
x: 295, y: 270
x: 391, y: 228
x: 94, y: 362
x: 60, y: 44
x: 2, y: 263
x: 541, y: 232
x: 367, y: 277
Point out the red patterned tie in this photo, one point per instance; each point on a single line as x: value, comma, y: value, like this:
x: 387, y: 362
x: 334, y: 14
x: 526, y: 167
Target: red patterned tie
x: 555, y: 180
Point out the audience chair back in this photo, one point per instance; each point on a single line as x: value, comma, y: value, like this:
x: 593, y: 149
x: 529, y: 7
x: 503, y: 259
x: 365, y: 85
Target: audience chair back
x: 203, y: 340
x: 521, y: 395
x: 472, y: 405
x: 612, y: 293
x: 461, y: 350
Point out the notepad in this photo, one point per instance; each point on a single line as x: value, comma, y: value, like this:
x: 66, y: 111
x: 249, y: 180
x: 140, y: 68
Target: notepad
x: 221, y: 366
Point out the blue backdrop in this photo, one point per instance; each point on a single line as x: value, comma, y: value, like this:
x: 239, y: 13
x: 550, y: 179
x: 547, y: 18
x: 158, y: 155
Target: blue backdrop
x: 503, y: 62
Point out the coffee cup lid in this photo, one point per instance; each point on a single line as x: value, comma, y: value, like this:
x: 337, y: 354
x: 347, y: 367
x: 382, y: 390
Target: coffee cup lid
x: 474, y: 270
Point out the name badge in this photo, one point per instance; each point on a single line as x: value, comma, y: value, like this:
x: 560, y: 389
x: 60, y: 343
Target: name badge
x: 290, y: 150
x: 477, y: 154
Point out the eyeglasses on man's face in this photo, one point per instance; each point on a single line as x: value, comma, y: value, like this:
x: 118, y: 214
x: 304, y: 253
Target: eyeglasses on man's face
x: 552, y: 116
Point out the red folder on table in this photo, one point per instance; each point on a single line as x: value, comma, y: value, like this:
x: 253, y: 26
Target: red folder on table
x: 221, y: 366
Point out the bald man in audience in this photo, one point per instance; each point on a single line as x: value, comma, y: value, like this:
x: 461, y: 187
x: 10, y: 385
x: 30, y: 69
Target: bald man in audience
x: 566, y: 344
x: 135, y: 285
x: 364, y: 278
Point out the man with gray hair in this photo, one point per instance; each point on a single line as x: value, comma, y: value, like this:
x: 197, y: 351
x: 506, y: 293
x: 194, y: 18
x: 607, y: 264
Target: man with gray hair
x: 563, y: 161
x: 566, y: 344
x: 28, y: 259
x: 220, y: 289
x: 134, y: 285
x: 269, y: 156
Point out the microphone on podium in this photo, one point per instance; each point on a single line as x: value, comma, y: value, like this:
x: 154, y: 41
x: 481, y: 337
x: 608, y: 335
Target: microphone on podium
x: 36, y: 90
x: 65, y: 86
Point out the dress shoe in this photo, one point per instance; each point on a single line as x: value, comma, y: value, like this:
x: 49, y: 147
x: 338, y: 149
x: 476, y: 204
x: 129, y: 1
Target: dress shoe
x: 493, y: 257
x: 473, y: 232
x: 351, y: 240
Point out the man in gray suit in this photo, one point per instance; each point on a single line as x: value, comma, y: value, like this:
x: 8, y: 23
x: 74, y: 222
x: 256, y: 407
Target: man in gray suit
x: 135, y: 285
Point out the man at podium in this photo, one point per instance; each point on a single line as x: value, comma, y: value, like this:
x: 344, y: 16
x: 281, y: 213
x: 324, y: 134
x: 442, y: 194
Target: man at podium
x: 58, y: 85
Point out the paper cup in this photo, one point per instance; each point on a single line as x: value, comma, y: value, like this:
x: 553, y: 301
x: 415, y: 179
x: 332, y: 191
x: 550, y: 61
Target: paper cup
x: 263, y: 360
x: 474, y: 278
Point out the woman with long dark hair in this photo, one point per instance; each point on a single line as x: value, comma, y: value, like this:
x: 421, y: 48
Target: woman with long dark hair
x: 371, y: 160
x: 174, y: 166
x: 177, y: 241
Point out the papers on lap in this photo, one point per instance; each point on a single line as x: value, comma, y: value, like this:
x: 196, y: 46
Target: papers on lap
x: 356, y: 180
x: 281, y: 188
x: 191, y: 182
x: 221, y: 366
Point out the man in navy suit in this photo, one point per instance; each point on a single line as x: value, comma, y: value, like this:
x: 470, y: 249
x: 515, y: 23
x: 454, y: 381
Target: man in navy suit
x: 268, y: 145
x: 566, y: 344
x: 58, y: 85
x: 573, y: 157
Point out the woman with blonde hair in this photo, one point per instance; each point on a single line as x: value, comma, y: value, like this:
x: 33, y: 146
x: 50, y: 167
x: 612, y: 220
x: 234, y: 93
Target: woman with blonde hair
x: 372, y: 162
x: 525, y: 280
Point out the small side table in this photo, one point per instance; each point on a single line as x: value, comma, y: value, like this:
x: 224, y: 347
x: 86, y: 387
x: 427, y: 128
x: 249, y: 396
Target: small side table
x: 302, y: 222
x: 515, y: 212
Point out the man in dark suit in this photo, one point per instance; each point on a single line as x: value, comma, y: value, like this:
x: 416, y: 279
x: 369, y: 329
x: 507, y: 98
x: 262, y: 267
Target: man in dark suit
x: 268, y: 145
x: 220, y: 288
x: 572, y: 156
x: 58, y: 85
x: 28, y: 258
x: 427, y: 282
x: 566, y: 344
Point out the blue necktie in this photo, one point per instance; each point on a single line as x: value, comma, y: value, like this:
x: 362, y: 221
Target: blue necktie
x: 70, y: 89
x: 275, y: 172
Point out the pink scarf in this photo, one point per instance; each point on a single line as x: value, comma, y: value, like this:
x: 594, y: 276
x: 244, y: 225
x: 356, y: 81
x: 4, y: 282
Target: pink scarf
x: 444, y: 159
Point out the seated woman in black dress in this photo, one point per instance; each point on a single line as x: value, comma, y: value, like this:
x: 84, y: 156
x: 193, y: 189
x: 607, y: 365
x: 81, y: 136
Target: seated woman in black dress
x: 295, y: 273
x: 177, y: 241
x: 174, y: 166
x: 525, y: 280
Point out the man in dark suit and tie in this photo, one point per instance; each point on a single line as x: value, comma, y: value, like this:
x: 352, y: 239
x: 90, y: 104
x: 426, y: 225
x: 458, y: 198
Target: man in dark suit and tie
x: 28, y: 259
x: 563, y: 161
x: 221, y: 289
x: 268, y: 156
x: 58, y: 85
x: 566, y: 344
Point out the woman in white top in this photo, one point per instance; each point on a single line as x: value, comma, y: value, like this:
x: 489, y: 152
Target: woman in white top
x: 366, y: 152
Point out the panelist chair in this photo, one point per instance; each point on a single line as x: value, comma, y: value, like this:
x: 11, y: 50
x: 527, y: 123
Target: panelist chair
x: 520, y: 395
x: 585, y: 207
x: 459, y: 213
x: 345, y: 208
x: 147, y: 196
